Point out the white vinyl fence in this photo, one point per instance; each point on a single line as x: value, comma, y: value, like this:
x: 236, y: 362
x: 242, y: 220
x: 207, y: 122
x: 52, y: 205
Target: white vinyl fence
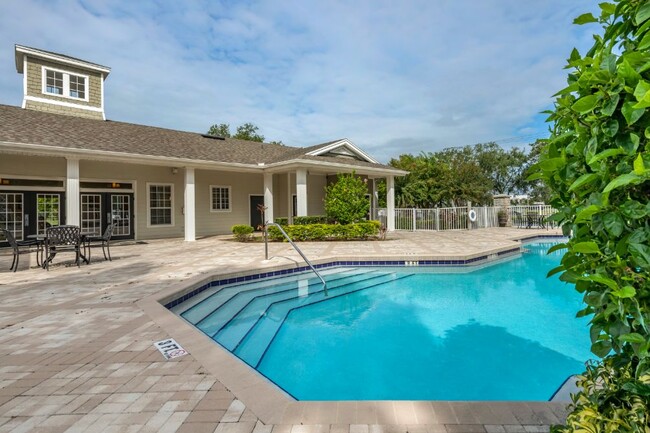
x: 457, y: 218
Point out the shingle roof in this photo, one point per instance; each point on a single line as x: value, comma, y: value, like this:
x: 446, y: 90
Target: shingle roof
x: 23, y: 126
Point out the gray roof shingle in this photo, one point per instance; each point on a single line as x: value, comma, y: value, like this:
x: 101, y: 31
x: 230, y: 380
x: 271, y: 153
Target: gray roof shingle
x: 23, y: 126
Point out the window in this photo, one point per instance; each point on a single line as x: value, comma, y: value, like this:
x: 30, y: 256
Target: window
x: 65, y: 84
x: 219, y: 198
x: 54, y: 82
x: 161, y: 204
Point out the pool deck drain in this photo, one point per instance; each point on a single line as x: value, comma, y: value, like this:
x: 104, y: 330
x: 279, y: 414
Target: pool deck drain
x: 78, y: 350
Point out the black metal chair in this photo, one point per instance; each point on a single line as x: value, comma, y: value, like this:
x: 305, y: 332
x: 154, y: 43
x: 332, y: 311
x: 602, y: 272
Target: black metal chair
x: 60, y: 239
x: 103, y: 241
x: 17, y: 247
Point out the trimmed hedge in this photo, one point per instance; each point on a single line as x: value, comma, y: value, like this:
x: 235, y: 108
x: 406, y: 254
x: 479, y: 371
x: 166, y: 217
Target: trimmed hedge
x: 242, y: 232
x: 322, y: 232
x: 303, y: 220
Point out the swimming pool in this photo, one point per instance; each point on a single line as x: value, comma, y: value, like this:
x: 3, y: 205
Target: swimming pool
x: 501, y: 332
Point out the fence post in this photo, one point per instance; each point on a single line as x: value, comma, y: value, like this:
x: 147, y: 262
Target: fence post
x: 413, y: 217
x: 485, y: 217
x: 437, y: 219
x: 469, y: 222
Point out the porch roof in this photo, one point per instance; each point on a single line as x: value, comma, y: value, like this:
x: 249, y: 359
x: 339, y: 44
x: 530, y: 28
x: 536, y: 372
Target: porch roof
x: 37, y: 132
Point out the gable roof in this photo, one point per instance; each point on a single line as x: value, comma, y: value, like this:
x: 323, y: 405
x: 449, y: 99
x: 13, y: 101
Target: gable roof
x: 40, y: 132
x: 20, y: 50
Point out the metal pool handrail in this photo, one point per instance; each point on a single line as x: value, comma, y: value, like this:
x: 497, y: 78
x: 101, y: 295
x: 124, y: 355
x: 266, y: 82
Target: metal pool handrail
x: 295, y: 247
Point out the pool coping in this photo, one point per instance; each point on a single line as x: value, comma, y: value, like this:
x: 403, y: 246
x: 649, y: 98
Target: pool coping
x: 273, y: 406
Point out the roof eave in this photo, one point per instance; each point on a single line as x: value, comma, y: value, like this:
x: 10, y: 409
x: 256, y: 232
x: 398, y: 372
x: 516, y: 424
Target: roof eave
x: 22, y: 50
x: 296, y: 163
x: 131, y: 158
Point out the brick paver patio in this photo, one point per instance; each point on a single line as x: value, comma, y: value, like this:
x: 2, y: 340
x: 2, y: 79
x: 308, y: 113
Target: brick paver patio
x: 78, y: 356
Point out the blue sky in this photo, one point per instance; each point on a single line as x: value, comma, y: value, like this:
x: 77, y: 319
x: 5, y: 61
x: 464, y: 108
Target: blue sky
x: 393, y: 77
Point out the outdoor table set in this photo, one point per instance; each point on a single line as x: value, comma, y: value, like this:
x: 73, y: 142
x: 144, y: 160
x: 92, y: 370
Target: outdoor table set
x: 60, y: 239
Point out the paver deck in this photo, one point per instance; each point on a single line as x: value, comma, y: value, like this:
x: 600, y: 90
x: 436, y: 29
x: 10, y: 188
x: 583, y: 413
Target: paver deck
x: 77, y: 347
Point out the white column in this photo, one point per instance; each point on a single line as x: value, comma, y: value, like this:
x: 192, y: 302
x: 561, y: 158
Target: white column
x: 268, y: 196
x: 190, y: 205
x: 390, y: 203
x: 72, y: 199
x: 289, y: 200
x: 301, y: 191
x: 373, y: 200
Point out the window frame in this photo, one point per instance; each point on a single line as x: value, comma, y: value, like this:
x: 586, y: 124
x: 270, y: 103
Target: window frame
x: 66, y: 84
x: 212, y: 209
x: 172, y: 204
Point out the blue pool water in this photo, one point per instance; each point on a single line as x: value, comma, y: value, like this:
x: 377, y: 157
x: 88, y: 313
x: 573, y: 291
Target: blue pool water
x: 501, y: 332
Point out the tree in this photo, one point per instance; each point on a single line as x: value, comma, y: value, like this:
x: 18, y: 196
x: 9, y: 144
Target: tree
x: 596, y: 164
x: 247, y: 131
x: 220, y: 130
x: 345, y: 200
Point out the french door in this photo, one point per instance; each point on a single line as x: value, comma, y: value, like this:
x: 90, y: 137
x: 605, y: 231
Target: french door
x: 27, y: 213
x: 100, y: 209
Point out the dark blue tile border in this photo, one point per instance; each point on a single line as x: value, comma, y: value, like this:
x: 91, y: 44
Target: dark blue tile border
x: 359, y: 263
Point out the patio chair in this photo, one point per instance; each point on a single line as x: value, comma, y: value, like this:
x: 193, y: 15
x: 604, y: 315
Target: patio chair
x: 103, y: 241
x: 60, y: 239
x: 518, y: 219
x: 17, y: 247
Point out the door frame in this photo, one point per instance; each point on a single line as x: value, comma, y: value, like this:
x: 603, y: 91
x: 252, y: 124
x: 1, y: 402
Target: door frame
x: 250, y: 210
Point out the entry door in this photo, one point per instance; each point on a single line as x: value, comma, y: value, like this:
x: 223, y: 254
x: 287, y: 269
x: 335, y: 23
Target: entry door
x: 256, y: 216
x: 12, y: 213
x: 103, y: 208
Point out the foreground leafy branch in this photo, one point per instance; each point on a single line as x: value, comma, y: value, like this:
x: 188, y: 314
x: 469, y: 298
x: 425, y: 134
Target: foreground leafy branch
x: 597, y: 164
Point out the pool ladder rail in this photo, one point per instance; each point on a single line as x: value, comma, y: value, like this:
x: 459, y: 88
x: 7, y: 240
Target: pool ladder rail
x: 295, y: 247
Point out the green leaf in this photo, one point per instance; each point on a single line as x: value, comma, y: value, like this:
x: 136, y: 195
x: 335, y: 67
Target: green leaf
x: 629, y: 142
x: 632, y: 337
x: 642, y: 14
x: 552, y: 164
x: 585, y: 104
x: 628, y: 73
x: 586, y: 248
x: 610, y: 128
x: 556, y: 247
x: 597, y: 278
x: 586, y: 213
x: 641, y: 254
x: 554, y: 271
x: 633, y: 209
x: 575, y: 55
x: 637, y: 388
x: 606, y: 154
x: 630, y: 113
x: 572, y: 88
x: 645, y: 42
x: 625, y: 292
x: 614, y: 224
x: 622, y: 180
x: 639, y: 168
x: 601, y: 348
x: 585, y: 19
x: 607, y: 7
x: 583, y: 180
x: 610, y: 104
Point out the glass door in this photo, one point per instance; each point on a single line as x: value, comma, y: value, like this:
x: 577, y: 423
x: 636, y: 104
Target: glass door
x: 11, y: 213
x: 48, y: 211
x: 91, y: 214
x: 121, y: 214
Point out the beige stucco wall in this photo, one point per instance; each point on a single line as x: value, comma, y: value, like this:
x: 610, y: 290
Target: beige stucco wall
x: 316, y: 184
x: 37, y: 166
x: 242, y: 186
x: 35, y: 88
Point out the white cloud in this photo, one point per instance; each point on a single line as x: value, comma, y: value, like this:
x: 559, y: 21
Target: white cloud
x: 393, y: 77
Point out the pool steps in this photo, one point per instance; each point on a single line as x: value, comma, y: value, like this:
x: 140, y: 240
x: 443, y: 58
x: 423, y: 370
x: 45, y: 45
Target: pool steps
x: 245, y: 318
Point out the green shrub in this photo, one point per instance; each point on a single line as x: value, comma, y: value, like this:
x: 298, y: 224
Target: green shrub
x: 313, y: 219
x: 346, y: 201
x: 283, y: 221
x: 242, y: 232
x: 596, y: 165
x: 320, y: 232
